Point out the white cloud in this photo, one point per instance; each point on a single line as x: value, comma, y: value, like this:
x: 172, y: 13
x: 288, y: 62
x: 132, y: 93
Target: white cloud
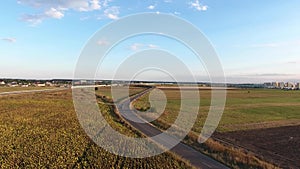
x: 11, y: 40
x: 177, y: 13
x: 151, y: 7
x: 95, y: 4
x: 152, y: 46
x: 54, y: 13
x: 136, y: 46
x: 78, y: 5
x: 105, y: 3
x: 34, y: 19
x: 198, y: 6
x: 112, y: 12
x: 56, y: 8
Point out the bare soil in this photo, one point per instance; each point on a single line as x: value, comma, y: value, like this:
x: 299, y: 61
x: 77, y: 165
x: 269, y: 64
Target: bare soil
x: 280, y: 145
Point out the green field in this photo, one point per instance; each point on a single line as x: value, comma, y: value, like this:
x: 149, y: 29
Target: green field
x: 244, y: 109
x: 41, y: 130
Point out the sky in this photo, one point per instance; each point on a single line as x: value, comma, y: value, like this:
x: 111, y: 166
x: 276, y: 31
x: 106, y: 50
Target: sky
x: 256, y: 41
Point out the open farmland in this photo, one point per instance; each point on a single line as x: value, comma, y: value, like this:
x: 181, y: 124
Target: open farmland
x: 11, y: 89
x: 279, y: 145
x: 122, y: 92
x: 41, y: 130
x: 248, y: 114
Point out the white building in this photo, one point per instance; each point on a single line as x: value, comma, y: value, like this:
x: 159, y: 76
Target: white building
x: 280, y: 85
x: 297, y: 86
x: 13, y: 84
x: 289, y: 85
x: 41, y: 85
x: 268, y: 85
x: 49, y: 84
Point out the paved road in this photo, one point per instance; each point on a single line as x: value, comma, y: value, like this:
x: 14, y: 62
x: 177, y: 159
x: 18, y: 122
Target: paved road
x: 31, y: 91
x: 195, y: 157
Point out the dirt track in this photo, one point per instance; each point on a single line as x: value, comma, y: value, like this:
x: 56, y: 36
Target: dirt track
x: 280, y: 145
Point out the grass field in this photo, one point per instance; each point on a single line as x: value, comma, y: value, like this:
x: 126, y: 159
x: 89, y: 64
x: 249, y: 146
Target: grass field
x: 41, y: 130
x: 245, y: 110
x: 243, y: 107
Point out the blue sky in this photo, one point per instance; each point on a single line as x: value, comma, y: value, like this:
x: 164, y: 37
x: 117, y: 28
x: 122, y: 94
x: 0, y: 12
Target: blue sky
x: 256, y: 40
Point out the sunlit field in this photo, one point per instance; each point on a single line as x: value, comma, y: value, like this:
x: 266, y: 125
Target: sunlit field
x: 244, y: 109
x: 41, y: 130
x: 253, y: 123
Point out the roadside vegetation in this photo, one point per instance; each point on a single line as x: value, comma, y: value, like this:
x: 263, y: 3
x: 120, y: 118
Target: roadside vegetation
x: 41, y: 130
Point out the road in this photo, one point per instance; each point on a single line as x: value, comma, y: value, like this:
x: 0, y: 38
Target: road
x: 196, y: 158
x: 31, y: 91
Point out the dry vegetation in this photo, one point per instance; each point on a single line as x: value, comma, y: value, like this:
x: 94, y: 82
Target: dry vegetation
x: 41, y: 130
x: 11, y: 89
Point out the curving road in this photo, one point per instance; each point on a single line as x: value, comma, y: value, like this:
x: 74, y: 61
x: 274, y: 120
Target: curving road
x: 196, y: 158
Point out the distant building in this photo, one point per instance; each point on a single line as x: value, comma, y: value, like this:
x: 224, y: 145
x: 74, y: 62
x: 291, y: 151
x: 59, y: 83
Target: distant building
x: 76, y: 83
x: 289, y: 85
x: 275, y: 84
x: 49, y: 84
x: 25, y: 85
x: 2, y: 83
x: 13, y: 84
x: 268, y: 85
x: 297, y: 86
x: 41, y: 85
x: 280, y: 85
x: 83, y: 82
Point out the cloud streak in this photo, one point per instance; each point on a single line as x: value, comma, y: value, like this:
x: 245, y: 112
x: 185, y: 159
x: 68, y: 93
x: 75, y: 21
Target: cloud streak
x: 277, y: 44
x: 139, y: 46
x: 151, y: 7
x: 11, y: 40
x: 103, y: 42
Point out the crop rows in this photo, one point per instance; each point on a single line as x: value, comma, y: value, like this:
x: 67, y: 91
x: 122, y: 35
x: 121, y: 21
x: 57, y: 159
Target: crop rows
x: 42, y: 131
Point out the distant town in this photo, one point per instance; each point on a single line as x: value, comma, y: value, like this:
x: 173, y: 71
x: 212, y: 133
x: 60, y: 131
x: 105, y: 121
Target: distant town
x: 35, y: 83
x: 68, y: 83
